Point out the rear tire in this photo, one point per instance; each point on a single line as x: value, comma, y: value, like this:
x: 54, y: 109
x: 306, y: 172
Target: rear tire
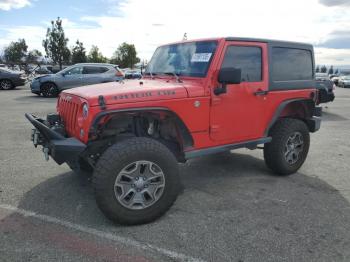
x: 136, y: 181
x: 49, y: 90
x: 6, y: 84
x: 289, y: 147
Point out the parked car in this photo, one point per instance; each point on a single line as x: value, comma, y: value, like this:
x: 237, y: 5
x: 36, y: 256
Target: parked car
x: 73, y: 76
x: 133, y: 74
x: 322, y: 76
x: 335, y: 79
x: 42, y: 70
x: 325, y: 91
x: 10, y: 79
x: 344, y: 81
x: 197, y: 98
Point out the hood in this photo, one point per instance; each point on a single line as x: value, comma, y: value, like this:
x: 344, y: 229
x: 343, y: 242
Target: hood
x: 130, y: 91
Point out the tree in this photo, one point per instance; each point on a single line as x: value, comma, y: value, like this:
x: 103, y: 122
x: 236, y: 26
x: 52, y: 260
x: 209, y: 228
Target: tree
x: 125, y: 56
x: 55, y: 43
x: 324, y: 69
x: 34, y: 56
x: 95, y: 56
x: 336, y: 71
x: 16, y: 52
x: 330, y: 71
x: 78, y: 53
x: 317, y: 69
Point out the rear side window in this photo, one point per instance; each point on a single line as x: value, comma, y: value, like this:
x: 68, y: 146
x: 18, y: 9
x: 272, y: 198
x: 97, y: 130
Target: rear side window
x: 290, y: 64
x: 94, y: 70
x: 246, y: 58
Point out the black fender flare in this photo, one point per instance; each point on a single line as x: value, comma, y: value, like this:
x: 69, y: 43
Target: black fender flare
x: 184, y: 131
x: 311, y: 104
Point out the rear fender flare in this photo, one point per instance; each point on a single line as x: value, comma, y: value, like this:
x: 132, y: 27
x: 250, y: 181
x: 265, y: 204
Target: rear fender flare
x: 310, y: 107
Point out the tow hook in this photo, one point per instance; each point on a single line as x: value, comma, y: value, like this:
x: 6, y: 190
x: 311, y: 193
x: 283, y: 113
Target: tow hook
x: 46, y: 153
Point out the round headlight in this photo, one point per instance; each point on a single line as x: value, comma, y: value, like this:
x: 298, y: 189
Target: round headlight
x: 85, y: 110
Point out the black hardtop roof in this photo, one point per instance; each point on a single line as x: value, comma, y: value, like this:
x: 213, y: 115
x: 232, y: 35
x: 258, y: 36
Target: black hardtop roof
x: 272, y: 42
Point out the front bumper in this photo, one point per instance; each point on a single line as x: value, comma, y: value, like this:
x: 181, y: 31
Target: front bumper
x: 60, y: 148
x: 35, y: 87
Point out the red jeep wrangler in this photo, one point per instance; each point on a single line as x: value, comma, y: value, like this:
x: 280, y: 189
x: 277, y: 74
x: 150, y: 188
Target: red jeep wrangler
x: 196, y: 98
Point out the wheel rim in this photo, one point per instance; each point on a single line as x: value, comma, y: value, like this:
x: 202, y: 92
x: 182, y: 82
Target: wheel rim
x: 139, y: 185
x: 293, y: 148
x: 49, y: 90
x: 6, y: 85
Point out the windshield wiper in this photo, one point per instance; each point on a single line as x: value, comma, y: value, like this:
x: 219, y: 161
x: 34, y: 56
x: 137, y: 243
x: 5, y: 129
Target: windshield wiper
x: 175, y: 75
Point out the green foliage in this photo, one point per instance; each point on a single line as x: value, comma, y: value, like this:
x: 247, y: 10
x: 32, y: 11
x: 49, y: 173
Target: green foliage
x: 336, y: 71
x: 317, y: 69
x: 55, y: 43
x: 95, y: 56
x: 34, y: 56
x: 324, y: 69
x: 330, y: 71
x: 78, y: 53
x: 16, y: 52
x: 125, y: 56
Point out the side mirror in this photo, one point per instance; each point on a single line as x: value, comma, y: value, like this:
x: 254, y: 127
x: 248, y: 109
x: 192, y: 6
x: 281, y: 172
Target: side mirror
x: 230, y: 75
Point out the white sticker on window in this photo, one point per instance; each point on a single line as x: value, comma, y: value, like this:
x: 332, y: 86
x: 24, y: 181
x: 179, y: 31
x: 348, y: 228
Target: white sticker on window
x: 201, y: 57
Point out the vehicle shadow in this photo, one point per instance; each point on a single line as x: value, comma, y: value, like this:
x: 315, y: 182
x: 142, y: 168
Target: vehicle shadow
x: 231, y: 209
x: 328, y: 116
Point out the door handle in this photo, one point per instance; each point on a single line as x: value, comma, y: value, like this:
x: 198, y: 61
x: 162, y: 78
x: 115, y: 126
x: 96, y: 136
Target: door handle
x: 261, y: 92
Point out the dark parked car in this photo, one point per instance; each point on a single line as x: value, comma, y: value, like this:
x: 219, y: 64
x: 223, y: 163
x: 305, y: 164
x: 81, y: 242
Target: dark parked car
x: 73, y: 76
x: 133, y: 74
x: 325, y: 90
x: 10, y: 79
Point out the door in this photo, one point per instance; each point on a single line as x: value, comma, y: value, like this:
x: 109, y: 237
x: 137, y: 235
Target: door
x: 72, y: 77
x: 238, y: 114
x: 94, y: 75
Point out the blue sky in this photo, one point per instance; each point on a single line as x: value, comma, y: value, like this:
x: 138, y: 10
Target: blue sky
x: 149, y: 23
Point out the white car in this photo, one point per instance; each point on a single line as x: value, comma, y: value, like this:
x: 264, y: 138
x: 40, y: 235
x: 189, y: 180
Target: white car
x: 344, y: 81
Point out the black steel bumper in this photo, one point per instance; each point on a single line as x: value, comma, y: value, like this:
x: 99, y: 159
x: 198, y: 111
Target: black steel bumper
x: 60, y: 148
x: 314, y: 123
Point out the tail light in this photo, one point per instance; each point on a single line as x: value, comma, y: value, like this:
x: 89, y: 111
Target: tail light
x: 118, y: 73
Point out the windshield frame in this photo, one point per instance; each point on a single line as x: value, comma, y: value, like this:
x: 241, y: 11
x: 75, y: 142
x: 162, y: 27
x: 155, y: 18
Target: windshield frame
x: 202, y: 75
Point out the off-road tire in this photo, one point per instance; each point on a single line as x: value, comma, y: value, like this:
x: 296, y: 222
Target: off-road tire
x: 6, y: 84
x: 121, y: 154
x: 274, y: 151
x: 49, y: 90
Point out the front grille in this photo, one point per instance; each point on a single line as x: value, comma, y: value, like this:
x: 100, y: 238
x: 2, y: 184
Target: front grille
x: 68, y: 111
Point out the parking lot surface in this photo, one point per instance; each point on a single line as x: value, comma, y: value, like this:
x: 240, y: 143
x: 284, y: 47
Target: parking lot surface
x: 232, y: 207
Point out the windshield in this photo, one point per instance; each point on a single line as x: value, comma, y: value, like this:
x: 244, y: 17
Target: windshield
x: 185, y: 59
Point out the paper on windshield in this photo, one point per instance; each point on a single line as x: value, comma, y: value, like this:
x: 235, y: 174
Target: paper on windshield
x: 201, y: 57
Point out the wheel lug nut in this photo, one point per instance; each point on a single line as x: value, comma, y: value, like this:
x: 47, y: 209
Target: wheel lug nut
x: 137, y: 178
x: 146, y: 186
x: 144, y: 178
x: 138, y: 190
x: 132, y: 185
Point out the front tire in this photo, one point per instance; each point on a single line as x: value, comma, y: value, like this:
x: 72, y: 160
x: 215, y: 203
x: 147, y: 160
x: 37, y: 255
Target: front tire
x: 6, y: 84
x: 289, y: 147
x: 136, y: 181
x: 49, y: 90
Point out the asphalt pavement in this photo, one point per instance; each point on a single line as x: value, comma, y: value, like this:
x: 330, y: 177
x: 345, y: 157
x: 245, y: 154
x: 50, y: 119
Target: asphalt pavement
x: 232, y: 207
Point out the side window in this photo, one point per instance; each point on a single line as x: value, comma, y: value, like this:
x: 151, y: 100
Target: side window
x: 74, y: 71
x: 291, y: 64
x: 103, y: 69
x: 94, y: 70
x: 246, y: 58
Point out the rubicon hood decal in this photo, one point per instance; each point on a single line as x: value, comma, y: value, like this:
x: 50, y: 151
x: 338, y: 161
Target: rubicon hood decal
x: 130, y: 92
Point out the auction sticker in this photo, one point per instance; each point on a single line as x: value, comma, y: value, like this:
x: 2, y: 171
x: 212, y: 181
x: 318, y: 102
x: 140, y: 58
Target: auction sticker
x: 201, y: 57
